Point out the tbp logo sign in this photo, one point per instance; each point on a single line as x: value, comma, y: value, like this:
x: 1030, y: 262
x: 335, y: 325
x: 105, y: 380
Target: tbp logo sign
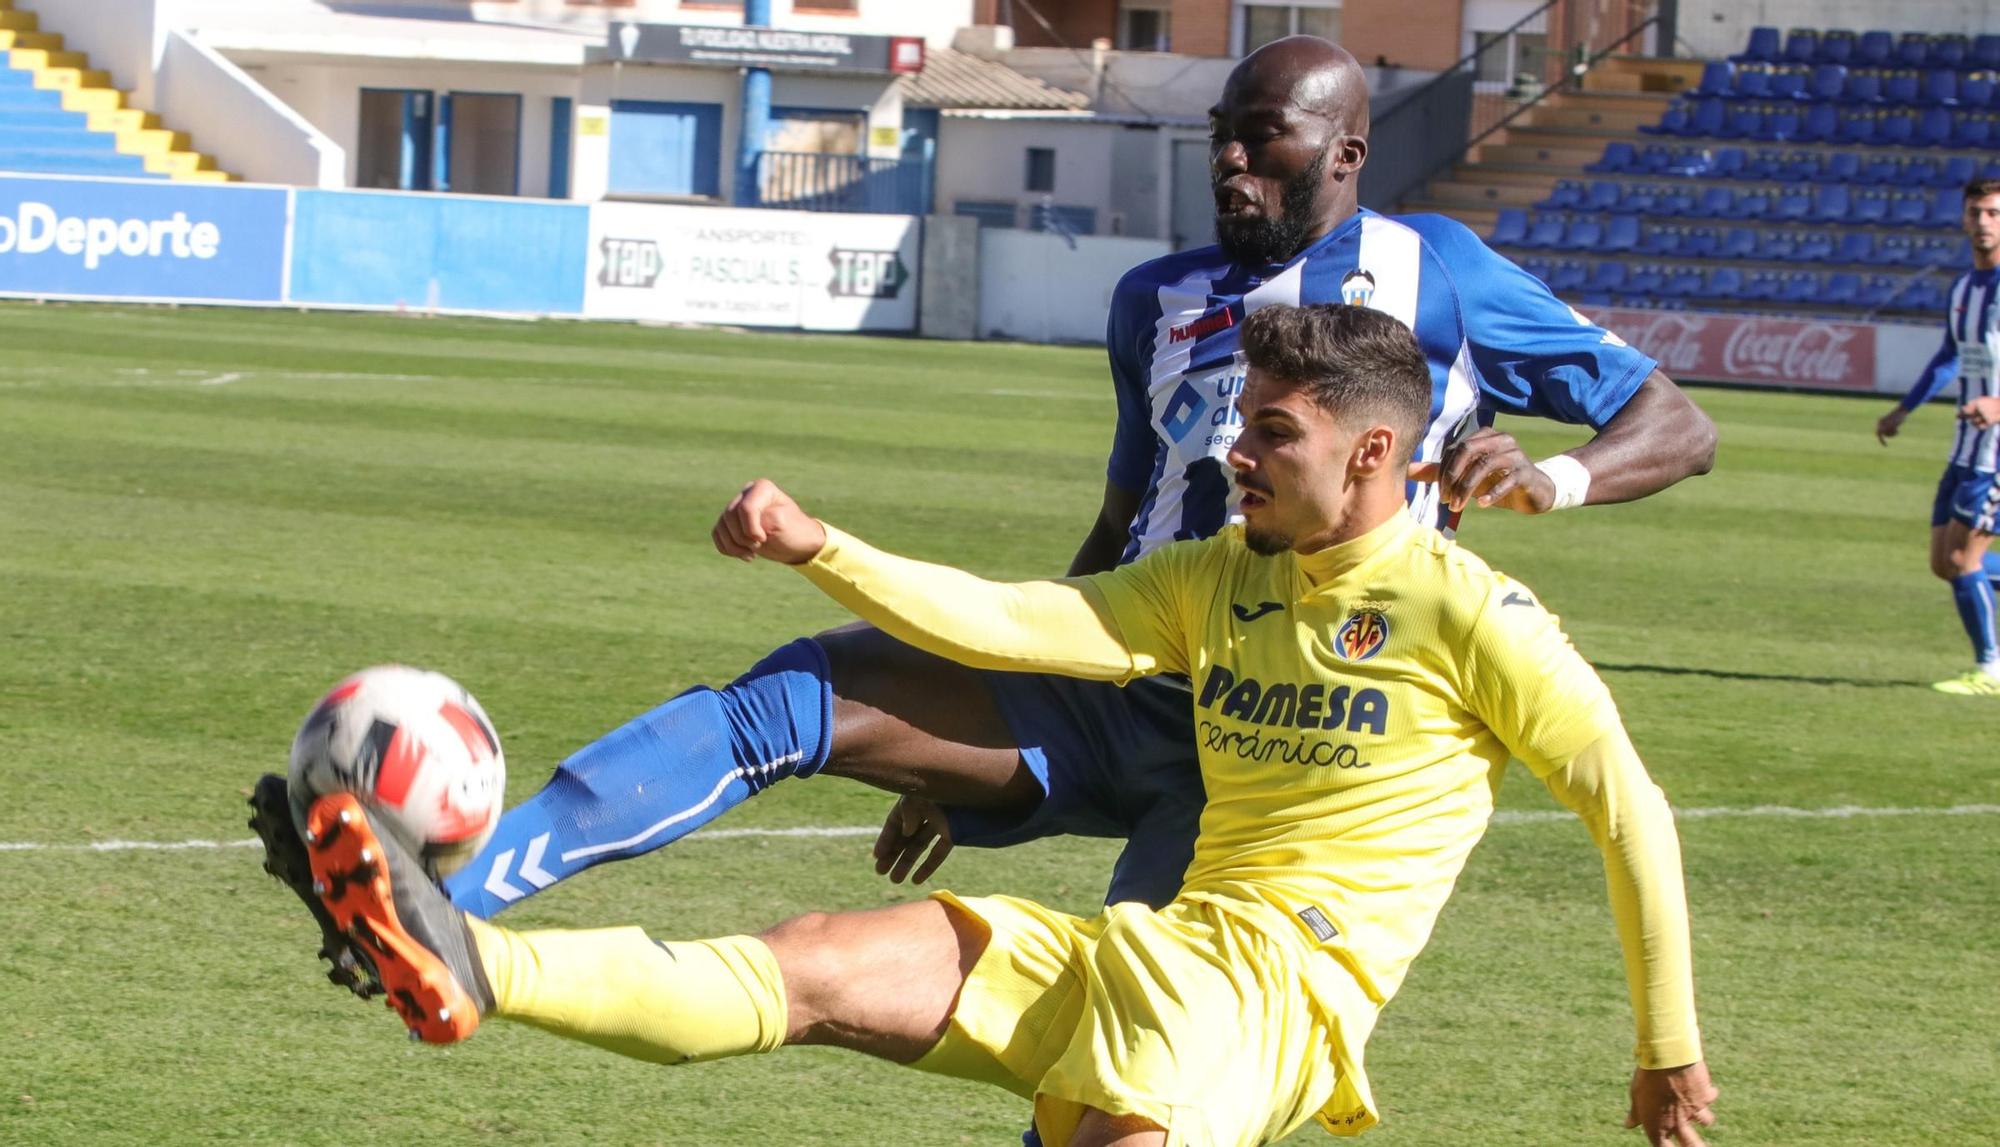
x: 866, y: 274
x: 629, y: 263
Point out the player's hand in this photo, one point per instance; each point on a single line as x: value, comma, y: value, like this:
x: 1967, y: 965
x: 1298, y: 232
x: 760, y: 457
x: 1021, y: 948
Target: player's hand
x: 1490, y: 468
x: 1672, y: 1104
x: 1980, y: 412
x: 913, y: 825
x: 1888, y: 424
x: 762, y: 521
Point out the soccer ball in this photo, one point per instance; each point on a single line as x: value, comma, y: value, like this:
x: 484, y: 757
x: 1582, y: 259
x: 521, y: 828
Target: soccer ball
x: 415, y: 747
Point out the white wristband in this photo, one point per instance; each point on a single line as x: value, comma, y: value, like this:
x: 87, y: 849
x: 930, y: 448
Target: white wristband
x: 1571, y: 479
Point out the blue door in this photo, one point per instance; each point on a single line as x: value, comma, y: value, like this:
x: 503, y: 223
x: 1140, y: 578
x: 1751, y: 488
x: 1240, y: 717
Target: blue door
x: 666, y: 148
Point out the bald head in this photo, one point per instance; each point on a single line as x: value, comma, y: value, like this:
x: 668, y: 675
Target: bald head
x: 1286, y: 143
x: 1317, y: 76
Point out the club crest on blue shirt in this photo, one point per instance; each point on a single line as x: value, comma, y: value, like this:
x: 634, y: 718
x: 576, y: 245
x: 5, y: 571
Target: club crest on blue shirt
x: 1357, y: 288
x: 1362, y: 635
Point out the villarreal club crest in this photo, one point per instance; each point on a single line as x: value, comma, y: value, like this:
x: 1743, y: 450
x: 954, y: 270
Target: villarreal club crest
x: 1362, y: 635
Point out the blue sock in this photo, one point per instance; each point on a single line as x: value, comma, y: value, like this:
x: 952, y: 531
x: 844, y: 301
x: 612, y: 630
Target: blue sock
x: 660, y: 777
x: 1974, y: 596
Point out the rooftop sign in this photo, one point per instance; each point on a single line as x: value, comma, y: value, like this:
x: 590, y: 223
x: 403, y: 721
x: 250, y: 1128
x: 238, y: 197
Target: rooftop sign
x: 780, y: 48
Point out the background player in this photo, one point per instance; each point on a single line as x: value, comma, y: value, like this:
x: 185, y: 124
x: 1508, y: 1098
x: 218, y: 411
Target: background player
x: 1963, y: 513
x: 1349, y: 744
x: 1017, y: 756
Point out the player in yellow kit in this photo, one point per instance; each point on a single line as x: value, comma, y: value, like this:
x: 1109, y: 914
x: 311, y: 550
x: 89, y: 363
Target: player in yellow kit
x: 1358, y: 681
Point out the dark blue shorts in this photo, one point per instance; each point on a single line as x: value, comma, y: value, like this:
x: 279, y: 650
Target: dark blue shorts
x: 1116, y: 762
x: 1969, y: 496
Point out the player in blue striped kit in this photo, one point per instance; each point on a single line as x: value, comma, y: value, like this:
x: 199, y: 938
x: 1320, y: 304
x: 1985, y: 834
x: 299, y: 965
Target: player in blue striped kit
x: 1968, y: 497
x: 1016, y: 756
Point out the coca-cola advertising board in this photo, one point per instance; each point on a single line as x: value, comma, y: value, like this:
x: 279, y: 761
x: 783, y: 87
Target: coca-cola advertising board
x: 1749, y: 349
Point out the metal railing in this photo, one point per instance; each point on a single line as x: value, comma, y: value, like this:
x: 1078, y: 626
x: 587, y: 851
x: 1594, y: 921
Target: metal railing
x: 809, y: 181
x: 1491, y: 87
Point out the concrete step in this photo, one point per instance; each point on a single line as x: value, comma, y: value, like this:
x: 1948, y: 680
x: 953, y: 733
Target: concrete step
x: 123, y: 119
x: 1643, y: 73
x: 1590, y: 119
x: 178, y: 163
x: 93, y: 99
x: 152, y: 141
x: 10, y: 39
x: 1565, y: 138
x: 1511, y: 175
x: 36, y: 59
x: 67, y: 79
x: 20, y: 21
x: 205, y: 177
x: 1648, y: 103
x: 1567, y: 158
x: 1460, y: 193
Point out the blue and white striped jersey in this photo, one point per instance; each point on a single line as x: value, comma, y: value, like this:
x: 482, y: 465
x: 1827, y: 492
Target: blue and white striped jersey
x: 1496, y: 339
x: 1971, y: 343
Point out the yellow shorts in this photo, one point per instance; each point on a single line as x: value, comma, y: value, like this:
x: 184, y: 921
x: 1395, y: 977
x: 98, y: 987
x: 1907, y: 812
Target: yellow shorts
x: 1188, y: 1017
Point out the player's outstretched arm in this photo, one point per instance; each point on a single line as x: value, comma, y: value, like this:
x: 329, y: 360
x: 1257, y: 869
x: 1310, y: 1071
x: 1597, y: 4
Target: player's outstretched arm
x: 1045, y: 626
x: 1657, y: 439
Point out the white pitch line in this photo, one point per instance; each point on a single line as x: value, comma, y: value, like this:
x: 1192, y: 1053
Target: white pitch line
x: 1502, y: 817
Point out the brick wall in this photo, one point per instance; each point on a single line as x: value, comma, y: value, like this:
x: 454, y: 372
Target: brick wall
x: 1078, y: 22
x: 1421, y: 34
x: 1201, y: 27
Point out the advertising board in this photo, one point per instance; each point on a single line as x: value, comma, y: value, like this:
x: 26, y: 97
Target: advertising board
x: 798, y: 269
x: 1751, y: 349
x: 141, y: 239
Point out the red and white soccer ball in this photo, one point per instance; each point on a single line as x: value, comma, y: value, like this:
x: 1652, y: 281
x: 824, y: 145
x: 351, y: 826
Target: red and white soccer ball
x: 416, y: 747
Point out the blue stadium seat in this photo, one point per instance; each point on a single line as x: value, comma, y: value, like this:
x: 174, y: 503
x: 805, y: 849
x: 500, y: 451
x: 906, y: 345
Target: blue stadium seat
x: 1986, y: 51
x: 1751, y: 84
x: 1840, y: 289
x: 1946, y: 207
x: 1934, y: 128
x: 1603, y: 195
x: 1909, y: 210
x: 1956, y: 172
x: 1786, y: 84
x: 1896, y: 251
x: 1567, y: 276
x: 1746, y: 121
x: 1764, y: 47
x: 1798, y: 287
x: 1673, y: 201
x: 1758, y: 285
x: 1725, y: 163
x: 1828, y: 83
x: 1949, y: 51
x: 1566, y: 195
x: 1715, y: 203
x: 1991, y: 170
x: 1940, y: 88
x: 1585, y: 234
x: 1708, y: 118
x: 1688, y: 163
x: 1895, y: 129
x: 1680, y: 283
x: 1901, y: 88
x: 1856, y: 246
x: 1821, y: 124
x: 1875, y: 49
x: 1718, y: 78
x: 1777, y: 246
x: 1801, y: 46
x: 1652, y: 159
x: 1737, y: 243
x: 1782, y: 123
x: 1793, y: 203
x: 1753, y: 204
x: 1723, y: 283
x: 1814, y: 247
x: 1877, y: 290
x: 1918, y: 171
x: 1842, y: 167
x: 1547, y: 231
x: 1877, y: 170
x: 1798, y: 167
x: 1856, y: 126
x: 1607, y: 277
x: 1836, y: 46
x: 1621, y: 233
x: 1869, y: 207
x: 1970, y: 131
x: 1829, y: 203
x: 1864, y: 87
x: 1663, y: 240
x: 1638, y: 199
x: 1618, y: 157
x: 1510, y: 226
x: 1643, y: 280
x: 1975, y: 90
x: 1673, y: 121
x: 1700, y: 243
x: 1913, y: 49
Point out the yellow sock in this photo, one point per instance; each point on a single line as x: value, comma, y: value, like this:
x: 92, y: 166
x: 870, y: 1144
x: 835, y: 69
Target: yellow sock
x: 620, y: 990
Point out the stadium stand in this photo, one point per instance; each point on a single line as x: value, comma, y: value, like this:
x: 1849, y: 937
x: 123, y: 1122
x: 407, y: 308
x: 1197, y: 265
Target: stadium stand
x: 1818, y: 171
x: 60, y: 117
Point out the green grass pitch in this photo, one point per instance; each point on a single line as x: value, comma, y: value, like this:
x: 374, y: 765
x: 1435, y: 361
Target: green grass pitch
x: 206, y: 517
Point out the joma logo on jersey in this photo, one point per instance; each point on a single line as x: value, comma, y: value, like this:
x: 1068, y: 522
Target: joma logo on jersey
x: 1293, y: 706
x: 1362, y: 635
